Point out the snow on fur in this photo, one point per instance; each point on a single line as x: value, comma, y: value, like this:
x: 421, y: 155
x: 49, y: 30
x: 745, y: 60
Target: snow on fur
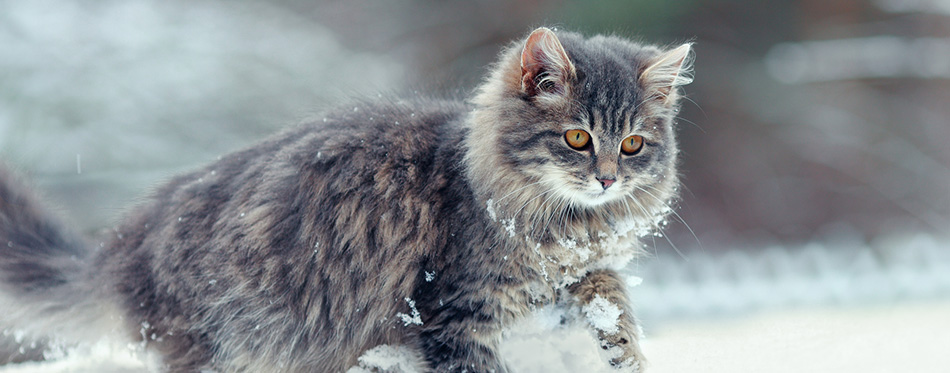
x: 414, y: 318
x: 603, y: 315
x: 386, y: 358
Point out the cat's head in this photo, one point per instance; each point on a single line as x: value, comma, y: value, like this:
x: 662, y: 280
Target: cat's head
x: 580, y: 123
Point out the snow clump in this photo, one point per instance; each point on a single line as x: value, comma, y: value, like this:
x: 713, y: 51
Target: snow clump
x: 414, y: 318
x: 603, y: 315
x: 386, y: 358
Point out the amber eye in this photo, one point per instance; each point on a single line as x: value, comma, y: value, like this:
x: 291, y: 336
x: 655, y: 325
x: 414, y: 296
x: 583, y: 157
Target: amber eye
x: 632, y: 145
x: 577, y: 139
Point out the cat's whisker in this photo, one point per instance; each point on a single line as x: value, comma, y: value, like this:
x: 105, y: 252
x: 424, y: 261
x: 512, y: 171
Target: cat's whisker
x: 645, y: 213
x: 527, y: 202
x: 644, y: 101
x: 501, y: 204
x: 677, y: 118
x: 543, y: 210
x: 659, y: 228
x: 538, y: 213
x: 571, y: 207
x: 556, y: 218
x: 534, y: 198
x: 555, y: 213
x: 655, y: 116
x: 675, y: 214
x: 630, y: 212
x: 690, y: 100
x: 506, y: 196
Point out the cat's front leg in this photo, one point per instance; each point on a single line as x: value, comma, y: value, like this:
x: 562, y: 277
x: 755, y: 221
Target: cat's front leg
x: 602, y: 298
x: 464, y: 345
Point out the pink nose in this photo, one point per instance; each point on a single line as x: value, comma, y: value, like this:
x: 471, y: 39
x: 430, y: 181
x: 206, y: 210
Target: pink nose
x: 605, y: 182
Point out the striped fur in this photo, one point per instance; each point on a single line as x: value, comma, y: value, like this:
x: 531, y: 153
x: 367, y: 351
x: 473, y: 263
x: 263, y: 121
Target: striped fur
x: 429, y: 224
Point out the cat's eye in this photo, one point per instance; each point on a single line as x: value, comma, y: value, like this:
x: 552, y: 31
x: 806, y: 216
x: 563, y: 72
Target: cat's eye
x: 577, y: 139
x: 631, y: 145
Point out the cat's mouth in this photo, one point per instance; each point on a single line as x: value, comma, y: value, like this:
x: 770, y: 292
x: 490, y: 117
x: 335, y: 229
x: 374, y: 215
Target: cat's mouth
x: 589, y: 193
x: 594, y: 198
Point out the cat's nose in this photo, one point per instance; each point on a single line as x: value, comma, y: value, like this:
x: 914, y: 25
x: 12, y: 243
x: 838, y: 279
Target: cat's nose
x: 606, y: 182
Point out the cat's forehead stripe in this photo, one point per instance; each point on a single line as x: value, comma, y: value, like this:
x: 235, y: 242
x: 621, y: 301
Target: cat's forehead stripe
x: 610, y: 108
x: 616, y: 119
x: 609, y: 85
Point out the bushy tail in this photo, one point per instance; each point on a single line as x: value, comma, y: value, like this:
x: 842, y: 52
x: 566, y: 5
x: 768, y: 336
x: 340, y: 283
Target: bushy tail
x: 47, y: 287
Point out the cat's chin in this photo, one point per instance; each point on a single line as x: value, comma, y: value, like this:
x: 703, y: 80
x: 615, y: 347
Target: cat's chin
x: 594, y: 200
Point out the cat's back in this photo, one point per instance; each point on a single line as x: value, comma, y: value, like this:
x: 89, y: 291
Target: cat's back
x: 347, y: 202
x: 357, y: 166
x: 351, y: 150
x: 390, y: 141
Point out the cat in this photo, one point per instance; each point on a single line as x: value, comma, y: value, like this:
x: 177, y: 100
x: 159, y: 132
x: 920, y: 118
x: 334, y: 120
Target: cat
x: 422, y: 223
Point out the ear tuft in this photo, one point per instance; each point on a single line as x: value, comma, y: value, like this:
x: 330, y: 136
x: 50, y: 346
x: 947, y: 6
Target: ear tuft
x: 667, y: 71
x: 545, y: 66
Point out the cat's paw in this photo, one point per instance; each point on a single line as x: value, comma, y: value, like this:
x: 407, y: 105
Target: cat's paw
x: 623, y: 349
x: 617, y: 331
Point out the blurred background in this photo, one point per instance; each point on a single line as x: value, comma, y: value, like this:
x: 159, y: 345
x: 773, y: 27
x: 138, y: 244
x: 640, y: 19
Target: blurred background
x: 814, y: 140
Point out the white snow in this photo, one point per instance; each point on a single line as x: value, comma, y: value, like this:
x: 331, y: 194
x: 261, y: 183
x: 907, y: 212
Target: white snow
x: 490, y: 207
x: 603, y: 315
x: 737, y: 312
x: 509, y: 225
x: 903, y: 337
x: 414, y: 318
x: 101, y: 357
x: 633, y: 281
x: 387, y: 358
x: 583, y: 252
x: 541, y: 344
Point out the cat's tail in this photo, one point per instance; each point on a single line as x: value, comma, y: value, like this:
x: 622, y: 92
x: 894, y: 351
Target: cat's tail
x: 48, y: 289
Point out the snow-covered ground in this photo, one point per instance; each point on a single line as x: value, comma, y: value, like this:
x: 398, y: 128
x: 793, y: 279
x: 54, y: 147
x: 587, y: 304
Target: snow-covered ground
x: 844, y: 270
x: 902, y: 337
x: 846, y: 307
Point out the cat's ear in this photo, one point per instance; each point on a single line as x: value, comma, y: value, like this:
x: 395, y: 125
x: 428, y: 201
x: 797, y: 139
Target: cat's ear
x: 670, y: 69
x: 545, y: 66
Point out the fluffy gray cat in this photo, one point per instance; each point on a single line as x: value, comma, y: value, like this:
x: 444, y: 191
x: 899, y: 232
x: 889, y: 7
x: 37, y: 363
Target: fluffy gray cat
x: 427, y: 224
